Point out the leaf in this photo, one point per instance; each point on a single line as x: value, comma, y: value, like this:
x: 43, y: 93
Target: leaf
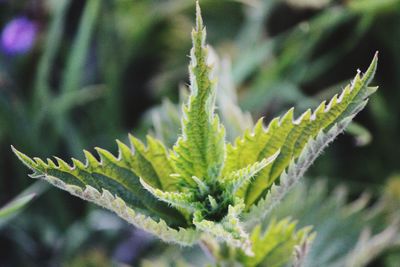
x: 275, y: 247
x: 200, y: 150
x: 369, y: 246
x: 76, y: 60
x: 341, y: 223
x: 52, y: 42
x: 295, y: 171
x: 237, y: 179
x: 119, y: 176
x: 291, y: 136
x: 109, y: 199
x: 12, y: 208
x: 361, y: 135
x: 301, y: 252
x: 157, y: 157
x: 17, y: 204
x: 175, y: 199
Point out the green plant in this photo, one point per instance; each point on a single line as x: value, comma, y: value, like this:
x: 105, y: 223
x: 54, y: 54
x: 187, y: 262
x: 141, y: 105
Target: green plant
x: 349, y: 232
x: 205, y: 186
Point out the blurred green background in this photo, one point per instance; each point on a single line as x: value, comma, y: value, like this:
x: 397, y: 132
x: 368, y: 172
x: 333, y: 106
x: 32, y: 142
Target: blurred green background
x: 78, y: 74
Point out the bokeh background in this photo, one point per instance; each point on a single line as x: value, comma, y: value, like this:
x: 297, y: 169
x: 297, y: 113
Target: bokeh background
x: 79, y: 74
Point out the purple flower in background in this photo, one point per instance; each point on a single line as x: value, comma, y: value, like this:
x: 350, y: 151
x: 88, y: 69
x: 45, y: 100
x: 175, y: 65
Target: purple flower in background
x: 18, y: 36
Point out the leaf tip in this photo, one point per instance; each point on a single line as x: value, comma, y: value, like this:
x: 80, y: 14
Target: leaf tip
x: 199, y: 19
x: 376, y: 54
x: 370, y: 73
x: 24, y: 158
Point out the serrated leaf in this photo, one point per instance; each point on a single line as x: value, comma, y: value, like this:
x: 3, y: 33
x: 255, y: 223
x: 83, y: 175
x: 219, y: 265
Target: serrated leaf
x: 295, y: 171
x: 275, y: 247
x: 339, y: 221
x: 291, y: 136
x: 200, y: 151
x: 116, y: 175
x: 155, y: 163
x: 126, y: 208
x: 237, y: 179
x: 184, y: 200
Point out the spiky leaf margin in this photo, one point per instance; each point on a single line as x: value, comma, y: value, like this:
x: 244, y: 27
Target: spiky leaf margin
x: 113, y: 202
x: 275, y: 246
x: 295, y: 171
x: 200, y: 150
x: 291, y: 136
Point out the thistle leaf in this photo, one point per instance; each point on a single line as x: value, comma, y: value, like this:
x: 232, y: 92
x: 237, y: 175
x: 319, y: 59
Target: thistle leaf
x: 200, y: 151
x: 291, y: 136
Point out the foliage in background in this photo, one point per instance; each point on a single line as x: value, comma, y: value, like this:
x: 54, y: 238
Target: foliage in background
x: 350, y: 233
x: 16, y: 205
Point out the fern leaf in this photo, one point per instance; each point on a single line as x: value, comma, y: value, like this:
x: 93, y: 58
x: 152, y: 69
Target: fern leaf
x: 291, y: 136
x: 200, y: 151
